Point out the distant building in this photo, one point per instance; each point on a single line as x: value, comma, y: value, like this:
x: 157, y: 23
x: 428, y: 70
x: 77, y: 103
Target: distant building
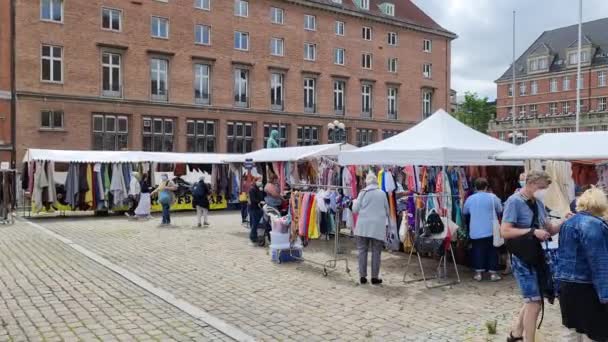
x: 453, y: 101
x: 6, y: 82
x: 546, y: 85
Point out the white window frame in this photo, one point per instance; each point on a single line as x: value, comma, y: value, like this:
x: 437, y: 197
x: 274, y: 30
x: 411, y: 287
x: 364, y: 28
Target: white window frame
x: 553, y: 87
x: 51, y: 11
x: 366, y: 100
x: 156, y: 68
x: 565, y: 107
x: 566, y: 83
x: 366, y: 33
x: 112, y: 12
x: 602, y: 104
x: 200, y: 4
x: 277, y: 80
x: 111, y: 66
x: 553, y: 108
x: 390, y: 9
x: 200, y: 80
x: 241, y: 87
x: 310, y: 94
x: 533, y: 109
x: 199, y: 29
x: 167, y: 137
x: 277, y: 46
x: 116, y: 133
x: 522, y: 89
x: 601, y: 79
x: 522, y: 111
x: 51, y: 58
x: 392, y: 39
x: 427, y: 70
x: 393, y: 65
x: 427, y: 103
x: 52, y: 114
x: 242, y: 37
x: 310, y: 52
x: 365, y: 4
x: 339, y: 94
x: 310, y: 22
x: 367, y: 61
x: 533, y: 87
x: 427, y: 45
x: 582, y: 81
x: 339, y: 56
x: 241, y: 8
x: 510, y: 90
x: 277, y: 15
x: 392, y: 103
x: 158, y: 32
x: 340, y: 28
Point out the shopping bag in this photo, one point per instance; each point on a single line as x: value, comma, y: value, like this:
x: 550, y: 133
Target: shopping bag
x: 498, y: 239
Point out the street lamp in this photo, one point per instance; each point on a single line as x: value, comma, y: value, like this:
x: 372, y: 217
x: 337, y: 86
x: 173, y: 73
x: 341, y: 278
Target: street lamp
x: 337, y: 131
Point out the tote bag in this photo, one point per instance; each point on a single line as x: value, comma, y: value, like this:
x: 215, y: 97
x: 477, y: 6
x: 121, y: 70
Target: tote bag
x: 498, y: 239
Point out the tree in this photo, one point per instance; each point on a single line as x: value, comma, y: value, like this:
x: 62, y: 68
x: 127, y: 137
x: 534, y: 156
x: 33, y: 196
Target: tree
x: 476, y: 112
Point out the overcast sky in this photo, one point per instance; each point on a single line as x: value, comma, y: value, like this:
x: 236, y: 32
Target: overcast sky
x: 483, y: 50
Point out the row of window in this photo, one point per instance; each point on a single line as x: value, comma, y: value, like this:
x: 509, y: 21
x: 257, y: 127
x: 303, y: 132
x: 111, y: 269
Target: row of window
x: 554, y: 84
x: 111, y: 132
x: 565, y: 107
x: 111, y: 65
x: 522, y: 135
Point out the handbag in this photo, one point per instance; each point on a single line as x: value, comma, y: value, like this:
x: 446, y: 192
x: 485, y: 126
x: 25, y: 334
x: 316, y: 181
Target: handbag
x: 527, y: 247
x: 243, y: 197
x: 498, y: 239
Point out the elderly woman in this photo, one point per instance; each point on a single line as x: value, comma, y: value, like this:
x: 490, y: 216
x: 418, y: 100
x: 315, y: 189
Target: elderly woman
x: 582, y: 267
x: 373, y: 210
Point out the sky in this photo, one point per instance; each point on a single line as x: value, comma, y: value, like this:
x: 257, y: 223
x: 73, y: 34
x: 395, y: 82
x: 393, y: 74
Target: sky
x: 483, y: 50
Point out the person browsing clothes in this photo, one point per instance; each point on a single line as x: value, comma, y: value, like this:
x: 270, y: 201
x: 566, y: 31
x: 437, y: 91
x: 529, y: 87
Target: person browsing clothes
x: 165, y: 197
x: 200, y: 200
x: 256, y: 197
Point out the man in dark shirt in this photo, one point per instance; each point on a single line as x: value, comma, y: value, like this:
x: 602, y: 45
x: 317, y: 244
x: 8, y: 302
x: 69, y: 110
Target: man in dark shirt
x: 256, y: 196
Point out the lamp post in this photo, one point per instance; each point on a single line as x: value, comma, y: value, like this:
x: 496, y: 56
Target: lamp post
x: 337, y: 131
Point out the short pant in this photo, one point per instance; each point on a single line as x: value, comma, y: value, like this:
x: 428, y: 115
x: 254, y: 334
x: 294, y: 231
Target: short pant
x: 526, y: 279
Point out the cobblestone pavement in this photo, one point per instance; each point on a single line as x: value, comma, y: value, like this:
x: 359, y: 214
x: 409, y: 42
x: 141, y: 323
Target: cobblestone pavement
x: 50, y: 292
x: 216, y: 270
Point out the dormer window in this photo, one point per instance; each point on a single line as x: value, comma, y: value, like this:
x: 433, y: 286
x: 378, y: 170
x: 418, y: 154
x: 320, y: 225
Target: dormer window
x: 537, y: 64
x: 572, y: 57
x: 364, y: 4
x: 388, y: 9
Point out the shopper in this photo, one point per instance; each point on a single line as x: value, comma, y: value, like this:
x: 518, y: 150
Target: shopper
x: 582, y: 267
x: 256, y: 198
x: 165, y: 197
x: 200, y: 200
x: 373, y: 210
x: 273, y: 193
x: 524, y: 227
x: 144, y: 205
x: 247, y: 183
x: 134, y: 193
x: 483, y: 208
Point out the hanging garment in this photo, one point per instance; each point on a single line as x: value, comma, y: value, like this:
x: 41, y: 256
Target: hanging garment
x: 118, y: 188
x: 25, y: 178
x: 50, y: 176
x: 313, y: 225
x: 392, y: 233
x: 71, y: 185
x: 88, y: 196
x: 558, y: 194
x: 31, y: 170
x: 40, y: 184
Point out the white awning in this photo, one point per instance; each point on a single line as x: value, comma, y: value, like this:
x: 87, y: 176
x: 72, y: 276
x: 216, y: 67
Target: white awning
x: 285, y: 154
x: 79, y: 156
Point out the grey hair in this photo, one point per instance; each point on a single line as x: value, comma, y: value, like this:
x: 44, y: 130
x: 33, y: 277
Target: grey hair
x: 536, y: 175
x: 371, y: 179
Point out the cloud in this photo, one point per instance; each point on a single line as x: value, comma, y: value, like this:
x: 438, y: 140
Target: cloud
x: 483, y: 50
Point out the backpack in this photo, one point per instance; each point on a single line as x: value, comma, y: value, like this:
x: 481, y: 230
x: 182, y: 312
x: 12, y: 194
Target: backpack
x: 434, y: 224
x: 198, y: 191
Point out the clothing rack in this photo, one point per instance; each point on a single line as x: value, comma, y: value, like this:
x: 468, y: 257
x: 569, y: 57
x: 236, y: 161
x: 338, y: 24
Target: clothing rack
x: 442, y: 269
x: 8, y: 202
x: 331, y: 263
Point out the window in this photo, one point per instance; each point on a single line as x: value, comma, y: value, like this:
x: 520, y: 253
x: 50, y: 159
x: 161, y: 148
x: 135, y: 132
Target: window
x: 510, y: 90
x: 566, y: 83
x: 276, y: 91
x: 200, y: 136
x: 241, y: 40
x: 160, y: 27
x: 366, y: 33
x: 158, y: 77
x: 553, y: 85
x: 510, y: 112
x: 366, y: 61
x: 533, y: 110
x: 336, y: 1
x: 111, y: 19
x: 202, y: 84
x: 566, y: 107
x: 203, y: 4
x: 276, y: 15
x: 240, y: 137
x: 427, y: 103
x: 522, y: 111
x: 366, y: 100
x: 111, y: 75
x: 501, y: 136
x: 203, y: 34
x: 365, y: 137
x: 339, y: 56
x: 534, y: 87
x: 51, y: 119
x: 427, y: 45
x: 392, y: 65
x: 572, y: 58
x: 427, y: 70
x: 339, y: 100
x: 553, y: 108
x: 392, y: 38
x: 392, y: 103
x: 310, y: 51
x: 582, y: 82
x: 389, y: 9
x: 310, y: 22
x: 533, y: 65
x: 310, y: 95
x: 277, y: 46
x: 365, y: 4
x: 601, y: 79
x: 52, y: 63
x: 241, y: 8
x: 339, y: 28
x: 241, y: 87
x: 601, y: 104
x: 158, y: 134
x: 110, y: 132
x: 51, y: 10
x: 387, y: 133
x: 308, y: 135
x: 542, y: 63
x: 522, y: 89
x: 281, y: 128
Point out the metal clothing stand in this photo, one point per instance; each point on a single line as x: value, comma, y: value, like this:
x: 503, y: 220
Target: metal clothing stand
x: 331, y: 264
x: 442, y: 268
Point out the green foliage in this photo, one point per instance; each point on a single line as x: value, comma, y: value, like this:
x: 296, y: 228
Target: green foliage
x: 476, y: 112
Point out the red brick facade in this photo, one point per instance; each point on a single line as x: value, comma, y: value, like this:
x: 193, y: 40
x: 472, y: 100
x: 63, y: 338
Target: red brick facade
x: 82, y: 41
x: 5, y: 81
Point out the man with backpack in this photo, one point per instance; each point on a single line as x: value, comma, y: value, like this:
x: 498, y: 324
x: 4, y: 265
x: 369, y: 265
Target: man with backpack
x: 200, y: 201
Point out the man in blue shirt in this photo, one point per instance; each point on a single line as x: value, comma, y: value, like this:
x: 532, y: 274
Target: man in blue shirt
x: 483, y: 208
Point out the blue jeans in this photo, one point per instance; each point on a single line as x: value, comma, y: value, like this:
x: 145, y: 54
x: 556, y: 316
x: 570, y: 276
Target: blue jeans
x: 166, y: 213
x: 255, y: 215
x: 484, y: 255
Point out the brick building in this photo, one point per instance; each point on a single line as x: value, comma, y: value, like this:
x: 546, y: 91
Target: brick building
x: 211, y: 75
x: 6, y: 82
x: 545, y: 91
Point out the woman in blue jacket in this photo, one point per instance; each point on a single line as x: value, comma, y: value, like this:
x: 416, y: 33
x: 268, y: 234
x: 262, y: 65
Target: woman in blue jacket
x: 582, y: 267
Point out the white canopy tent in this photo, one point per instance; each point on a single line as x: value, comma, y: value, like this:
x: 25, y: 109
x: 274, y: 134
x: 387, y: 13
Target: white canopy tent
x: 77, y: 156
x: 286, y: 154
x: 561, y: 146
x: 437, y: 141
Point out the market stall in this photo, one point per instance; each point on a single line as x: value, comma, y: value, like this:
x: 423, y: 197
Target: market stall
x: 97, y: 181
x: 442, y: 146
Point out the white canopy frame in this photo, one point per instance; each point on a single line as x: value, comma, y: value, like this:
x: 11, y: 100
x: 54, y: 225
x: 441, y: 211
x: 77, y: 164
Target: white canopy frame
x: 82, y: 156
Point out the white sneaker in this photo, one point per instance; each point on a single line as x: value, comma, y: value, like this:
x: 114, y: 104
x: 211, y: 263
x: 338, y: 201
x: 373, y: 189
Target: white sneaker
x: 495, y: 277
x: 478, y: 276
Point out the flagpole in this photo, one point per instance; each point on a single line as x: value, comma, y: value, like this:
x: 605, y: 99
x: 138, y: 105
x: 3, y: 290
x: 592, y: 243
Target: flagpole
x: 578, y: 66
x: 513, y: 84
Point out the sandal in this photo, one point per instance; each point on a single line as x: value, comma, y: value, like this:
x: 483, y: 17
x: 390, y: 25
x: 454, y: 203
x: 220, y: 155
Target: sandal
x: 512, y: 338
